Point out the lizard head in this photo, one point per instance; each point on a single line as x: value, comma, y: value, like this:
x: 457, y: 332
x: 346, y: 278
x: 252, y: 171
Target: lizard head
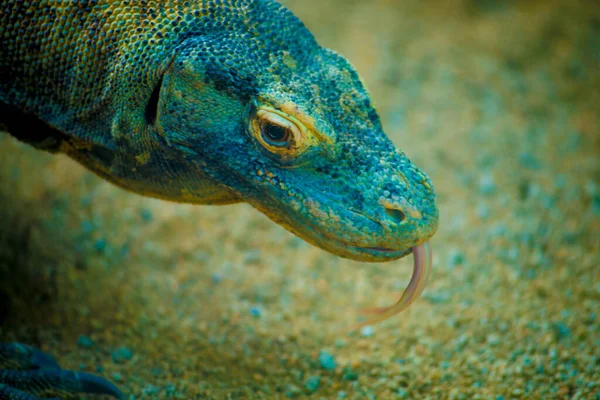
x: 288, y: 126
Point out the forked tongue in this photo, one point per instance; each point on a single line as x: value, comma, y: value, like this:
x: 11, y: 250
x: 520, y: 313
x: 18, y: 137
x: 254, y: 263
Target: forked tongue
x: 418, y: 281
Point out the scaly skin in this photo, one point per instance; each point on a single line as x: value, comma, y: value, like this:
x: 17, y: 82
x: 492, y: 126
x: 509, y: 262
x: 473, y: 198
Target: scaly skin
x: 214, y: 102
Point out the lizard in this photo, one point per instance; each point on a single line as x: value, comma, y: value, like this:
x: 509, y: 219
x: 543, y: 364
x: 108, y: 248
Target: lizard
x: 213, y: 102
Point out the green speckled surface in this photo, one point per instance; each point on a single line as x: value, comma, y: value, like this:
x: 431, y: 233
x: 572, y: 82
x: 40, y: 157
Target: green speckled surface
x: 496, y: 101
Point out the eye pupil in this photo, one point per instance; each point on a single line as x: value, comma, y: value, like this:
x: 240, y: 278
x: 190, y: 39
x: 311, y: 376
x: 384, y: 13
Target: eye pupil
x: 275, y: 133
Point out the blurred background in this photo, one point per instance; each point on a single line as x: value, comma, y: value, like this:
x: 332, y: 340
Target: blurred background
x: 498, y: 101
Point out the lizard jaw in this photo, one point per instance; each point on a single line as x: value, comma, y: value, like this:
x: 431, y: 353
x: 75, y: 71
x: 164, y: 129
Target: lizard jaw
x: 332, y: 244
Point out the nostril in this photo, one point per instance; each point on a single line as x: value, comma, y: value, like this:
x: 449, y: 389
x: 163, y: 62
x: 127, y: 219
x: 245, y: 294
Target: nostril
x: 396, y: 215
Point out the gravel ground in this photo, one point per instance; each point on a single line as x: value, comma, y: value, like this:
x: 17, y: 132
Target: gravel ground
x: 496, y: 100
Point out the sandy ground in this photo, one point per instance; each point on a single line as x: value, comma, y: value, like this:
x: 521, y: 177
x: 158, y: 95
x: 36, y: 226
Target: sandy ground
x: 498, y: 101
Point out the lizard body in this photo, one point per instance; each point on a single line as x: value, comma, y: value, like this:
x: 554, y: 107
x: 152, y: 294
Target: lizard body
x: 214, y: 102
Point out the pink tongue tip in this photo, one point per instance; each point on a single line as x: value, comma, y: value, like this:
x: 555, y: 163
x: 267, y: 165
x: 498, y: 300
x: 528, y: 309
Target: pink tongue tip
x: 422, y: 269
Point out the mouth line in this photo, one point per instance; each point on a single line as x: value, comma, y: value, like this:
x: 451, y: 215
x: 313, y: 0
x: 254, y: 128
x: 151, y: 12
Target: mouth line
x: 374, y: 250
x: 381, y: 249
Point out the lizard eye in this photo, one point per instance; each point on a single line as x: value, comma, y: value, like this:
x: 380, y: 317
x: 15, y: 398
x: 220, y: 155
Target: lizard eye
x: 276, y: 133
x: 288, y: 137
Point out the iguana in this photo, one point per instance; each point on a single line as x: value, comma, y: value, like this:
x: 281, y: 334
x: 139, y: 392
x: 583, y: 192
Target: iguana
x: 212, y: 102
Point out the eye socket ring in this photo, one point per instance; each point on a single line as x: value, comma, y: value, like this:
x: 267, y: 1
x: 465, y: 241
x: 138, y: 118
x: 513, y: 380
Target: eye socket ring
x: 277, y: 133
x: 287, y: 135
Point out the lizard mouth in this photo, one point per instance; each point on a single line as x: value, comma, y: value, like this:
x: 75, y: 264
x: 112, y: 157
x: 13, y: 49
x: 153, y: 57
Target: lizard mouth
x: 374, y: 253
